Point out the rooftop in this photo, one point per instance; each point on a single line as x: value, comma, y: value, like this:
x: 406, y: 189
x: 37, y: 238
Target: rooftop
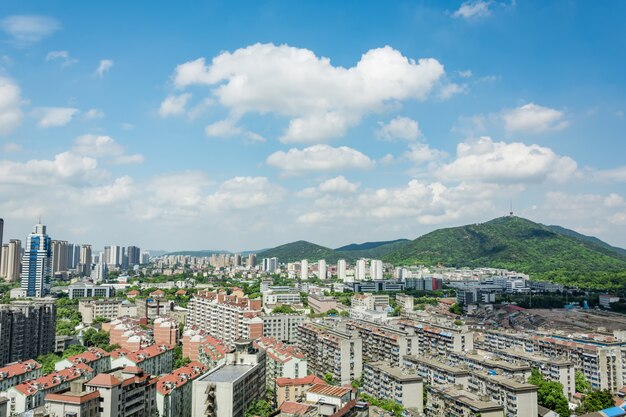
x: 227, y: 373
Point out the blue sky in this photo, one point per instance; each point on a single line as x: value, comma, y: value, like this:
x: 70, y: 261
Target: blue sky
x: 242, y: 125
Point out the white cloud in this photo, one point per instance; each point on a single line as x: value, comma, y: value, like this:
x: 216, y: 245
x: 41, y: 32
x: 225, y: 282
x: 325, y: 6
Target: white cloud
x: 54, y: 116
x: 338, y: 185
x: 11, y: 147
x: 120, y: 190
x: 500, y: 162
x: 62, y: 56
x: 174, y: 105
x: 104, y: 66
x: 28, y: 29
x: 533, y: 118
x: 102, y: 146
x: 473, y: 9
x: 399, y: 128
x: 93, y: 114
x: 245, y: 193
x: 128, y: 159
x: 420, y: 153
x: 223, y: 128
x: 321, y: 100
x: 450, y: 89
x: 319, y: 158
x: 465, y: 74
x: 10, y: 106
x: 66, y: 167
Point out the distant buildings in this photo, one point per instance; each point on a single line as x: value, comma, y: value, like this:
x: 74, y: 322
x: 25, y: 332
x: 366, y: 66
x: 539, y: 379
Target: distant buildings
x: 341, y: 270
x: 87, y: 289
x: 27, y: 330
x: 11, y: 260
x: 321, y: 269
x: 37, y: 263
x: 304, y: 270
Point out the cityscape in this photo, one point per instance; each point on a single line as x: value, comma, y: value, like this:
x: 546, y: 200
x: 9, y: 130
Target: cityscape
x: 312, y: 209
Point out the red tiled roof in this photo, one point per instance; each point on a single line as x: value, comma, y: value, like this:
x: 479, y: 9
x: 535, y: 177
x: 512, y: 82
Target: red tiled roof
x: 289, y: 407
x: 74, y: 399
x: 18, y: 368
x: 105, y: 380
x: 52, y: 380
x: 329, y: 390
x: 180, y: 377
x: 93, y: 354
x: 307, y: 380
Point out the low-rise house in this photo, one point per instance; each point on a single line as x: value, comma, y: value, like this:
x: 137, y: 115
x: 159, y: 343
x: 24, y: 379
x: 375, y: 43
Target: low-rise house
x: 294, y: 389
x: 16, y: 373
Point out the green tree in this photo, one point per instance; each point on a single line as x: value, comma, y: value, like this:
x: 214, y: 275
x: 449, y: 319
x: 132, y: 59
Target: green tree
x: 596, y: 401
x: 536, y: 378
x: 260, y: 408
x: 179, y: 359
x: 582, y: 385
x: 47, y: 362
x: 456, y: 309
x: 283, y: 309
x: 73, y: 350
x: 329, y: 378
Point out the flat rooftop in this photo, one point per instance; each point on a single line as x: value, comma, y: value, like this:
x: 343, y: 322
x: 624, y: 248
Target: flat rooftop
x: 227, y: 373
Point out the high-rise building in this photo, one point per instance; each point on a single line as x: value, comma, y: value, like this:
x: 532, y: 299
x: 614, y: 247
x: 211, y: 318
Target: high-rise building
x: 304, y: 270
x: 237, y: 259
x: 11, y: 260
x: 59, y: 256
x: 37, y: 263
x: 376, y: 269
x: 1, y: 232
x: 116, y: 255
x: 134, y: 255
x: 107, y: 255
x: 145, y: 258
x: 27, y: 330
x: 251, y: 260
x: 341, y: 270
x: 359, y: 272
x: 321, y: 269
x: 85, y: 260
x: 73, y: 256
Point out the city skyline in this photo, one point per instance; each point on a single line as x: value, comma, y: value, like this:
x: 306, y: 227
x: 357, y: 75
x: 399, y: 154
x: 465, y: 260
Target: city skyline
x: 232, y: 127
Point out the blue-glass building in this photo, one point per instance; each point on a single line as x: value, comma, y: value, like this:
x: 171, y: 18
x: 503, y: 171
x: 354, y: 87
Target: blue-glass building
x: 37, y: 263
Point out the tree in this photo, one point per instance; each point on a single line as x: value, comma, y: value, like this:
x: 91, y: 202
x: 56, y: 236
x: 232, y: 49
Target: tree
x: 332, y: 312
x: 73, y: 350
x: 47, y: 362
x: 550, y: 394
x: 179, y: 359
x: 535, y: 377
x: 456, y: 309
x: 582, y: 385
x: 97, y: 338
x: 259, y: 408
x: 283, y: 309
x: 329, y: 378
x: 596, y: 401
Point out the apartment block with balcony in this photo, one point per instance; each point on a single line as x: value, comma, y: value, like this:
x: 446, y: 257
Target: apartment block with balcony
x: 293, y: 389
x: 384, y: 381
x: 384, y: 343
x: 153, y: 360
x: 435, y: 371
x: 97, y: 359
x: 173, y: 391
x: 75, y: 402
x: 518, y: 398
x: 282, y: 361
x: 329, y: 350
x: 106, y: 308
x: 440, y: 338
x: 283, y: 327
x: 453, y: 401
x: 18, y: 372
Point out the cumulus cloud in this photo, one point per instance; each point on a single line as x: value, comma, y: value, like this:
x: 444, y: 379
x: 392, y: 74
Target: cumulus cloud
x: 54, y: 116
x: 102, y: 146
x: 420, y: 153
x: 28, y: 29
x: 500, y: 162
x: 66, y: 167
x: 399, y: 128
x: 321, y: 100
x: 128, y: 159
x: 120, y: 190
x: 319, y: 158
x: 10, y: 106
x: 61, y: 56
x: 333, y: 185
x: 174, y: 105
x: 474, y: 9
x: 244, y: 193
x: 103, y: 67
x: 533, y: 118
x: 93, y: 114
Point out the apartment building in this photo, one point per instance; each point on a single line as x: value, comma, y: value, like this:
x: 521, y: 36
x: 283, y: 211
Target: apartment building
x: 518, y: 398
x: 173, y: 391
x: 230, y: 388
x: 127, y: 392
x: 151, y: 308
x: 384, y: 343
x: 436, y: 372
x: 165, y: 331
x: 18, y: 372
x: 369, y: 301
x: 272, y: 298
x: 97, y: 359
x: 154, y: 360
x: 88, y: 289
x: 484, y: 361
x: 226, y: 317
x: 198, y: 345
x: 294, y: 389
x: 321, y: 303
x: 329, y: 350
x: 107, y: 308
x: 382, y: 380
x: 283, y: 327
x: 282, y: 361
x: 31, y: 394
x: 27, y: 330
x: 128, y: 333
x: 440, y: 338
x: 76, y: 402
x: 452, y: 401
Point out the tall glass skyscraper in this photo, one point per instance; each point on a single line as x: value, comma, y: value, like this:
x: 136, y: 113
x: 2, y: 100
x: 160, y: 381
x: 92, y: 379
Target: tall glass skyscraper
x: 37, y: 263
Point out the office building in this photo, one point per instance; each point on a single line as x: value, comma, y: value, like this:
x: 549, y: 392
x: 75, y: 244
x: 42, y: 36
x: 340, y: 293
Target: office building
x: 37, y: 263
x: 87, y: 289
x: 27, y: 330
x: 134, y: 256
x: 375, y: 286
x: 174, y: 390
x: 11, y: 255
x: 329, y: 350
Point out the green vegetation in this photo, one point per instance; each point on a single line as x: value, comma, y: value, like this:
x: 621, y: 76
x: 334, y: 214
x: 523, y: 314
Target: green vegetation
x: 550, y: 394
x: 582, y: 385
x: 68, y: 316
x: 386, y: 404
x: 518, y: 244
x: 283, y: 309
x: 456, y: 309
x: 179, y: 359
x: 261, y: 408
x: 595, y: 401
x: 329, y: 378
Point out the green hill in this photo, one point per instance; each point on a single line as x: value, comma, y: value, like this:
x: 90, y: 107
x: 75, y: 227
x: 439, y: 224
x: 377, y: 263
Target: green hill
x: 368, y: 245
x: 296, y: 251
x: 585, y: 238
x: 518, y: 244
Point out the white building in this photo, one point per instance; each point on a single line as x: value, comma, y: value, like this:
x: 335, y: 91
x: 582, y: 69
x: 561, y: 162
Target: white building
x: 360, y: 270
x: 341, y: 270
x: 304, y: 270
x: 321, y: 269
x: 376, y: 269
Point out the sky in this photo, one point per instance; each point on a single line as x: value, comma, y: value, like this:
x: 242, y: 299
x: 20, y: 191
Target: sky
x: 243, y: 125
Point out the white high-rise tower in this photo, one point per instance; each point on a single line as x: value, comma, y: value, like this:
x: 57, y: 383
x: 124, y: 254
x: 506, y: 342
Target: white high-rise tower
x: 304, y: 270
x: 341, y: 270
x: 321, y: 269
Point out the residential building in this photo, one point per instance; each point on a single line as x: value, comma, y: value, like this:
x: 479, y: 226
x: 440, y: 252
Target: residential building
x: 198, y: 345
x: 441, y: 338
x: 294, y: 389
x: 386, y: 381
x: 134, y: 255
x: 107, y: 308
x: 85, y: 289
x: 283, y: 327
x: 27, y: 330
x: 165, y: 331
x: 154, y: 360
x: 37, y: 263
x: 151, y: 308
x: 369, y: 301
x: 341, y: 270
x: 11, y: 260
x: 59, y: 256
x: 436, y: 372
x: 321, y: 303
x: 97, y: 359
x: 100, y: 272
x: 76, y: 402
x: 304, y: 270
x: 329, y: 350
x: 518, y: 398
x: 446, y: 401
x: 331, y: 400
x: 129, y: 392
x: 85, y: 260
x: 16, y: 373
x: 227, y: 317
x: 321, y: 269
x: 281, y: 360
x: 229, y: 389
x: 174, y: 393
x: 128, y: 333
x: 31, y: 394
x: 376, y: 269
x: 360, y: 270
x: 384, y: 343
